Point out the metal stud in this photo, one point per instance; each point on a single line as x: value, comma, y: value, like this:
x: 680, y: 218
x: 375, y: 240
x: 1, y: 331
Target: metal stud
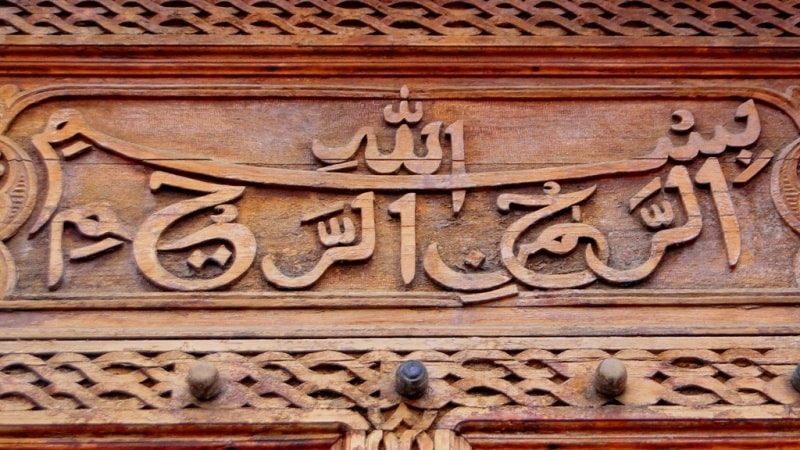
x: 204, y: 380
x: 610, y: 377
x: 796, y: 378
x: 411, y: 379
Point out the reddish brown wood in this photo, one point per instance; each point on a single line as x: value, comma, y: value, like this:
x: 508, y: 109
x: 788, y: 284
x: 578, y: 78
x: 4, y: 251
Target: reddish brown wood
x: 299, y: 196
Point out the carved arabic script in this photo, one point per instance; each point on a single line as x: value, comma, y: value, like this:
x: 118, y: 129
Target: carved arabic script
x: 547, y: 221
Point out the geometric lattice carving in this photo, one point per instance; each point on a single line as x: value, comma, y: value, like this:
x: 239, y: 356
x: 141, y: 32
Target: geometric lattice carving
x: 363, y: 381
x: 402, y: 18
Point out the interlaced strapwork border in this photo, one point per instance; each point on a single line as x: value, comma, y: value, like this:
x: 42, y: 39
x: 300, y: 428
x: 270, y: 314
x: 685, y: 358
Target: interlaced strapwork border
x: 363, y: 381
x: 632, y: 18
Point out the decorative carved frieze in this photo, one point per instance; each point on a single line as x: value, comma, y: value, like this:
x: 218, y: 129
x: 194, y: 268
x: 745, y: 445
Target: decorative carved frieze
x: 364, y: 381
x: 356, y: 388
x: 402, y: 18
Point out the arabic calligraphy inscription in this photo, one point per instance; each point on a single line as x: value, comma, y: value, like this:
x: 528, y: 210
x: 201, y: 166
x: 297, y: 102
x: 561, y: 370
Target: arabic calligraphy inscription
x: 540, y: 224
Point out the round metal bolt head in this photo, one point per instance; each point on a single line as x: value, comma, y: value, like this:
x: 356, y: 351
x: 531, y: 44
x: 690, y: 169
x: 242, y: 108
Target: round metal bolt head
x: 204, y: 381
x: 610, y: 377
x: 411, y: 379
x: 796, y: 378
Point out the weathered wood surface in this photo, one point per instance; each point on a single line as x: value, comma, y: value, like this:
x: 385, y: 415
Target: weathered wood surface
x: 296, y: 197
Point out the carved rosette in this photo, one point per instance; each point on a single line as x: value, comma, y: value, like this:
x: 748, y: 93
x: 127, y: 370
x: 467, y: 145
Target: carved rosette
x: 471, y: 390
x: 18, y: 193
x: 785, y: 185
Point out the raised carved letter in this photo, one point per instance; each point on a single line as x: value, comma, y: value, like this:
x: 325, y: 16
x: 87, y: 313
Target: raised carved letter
x: 95, y: 221
x: 711, y: 174
x: 405, y: 207
x: 559, y: 239
x: 362, y: 251
x: 678, y: 178
x: 238, y: 237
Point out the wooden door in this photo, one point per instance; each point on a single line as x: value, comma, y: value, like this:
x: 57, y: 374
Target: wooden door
x: 405, y: 224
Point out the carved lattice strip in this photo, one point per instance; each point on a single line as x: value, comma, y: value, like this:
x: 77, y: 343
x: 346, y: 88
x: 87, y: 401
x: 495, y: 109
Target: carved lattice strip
x: 474, y: 378
x: 403, y: 18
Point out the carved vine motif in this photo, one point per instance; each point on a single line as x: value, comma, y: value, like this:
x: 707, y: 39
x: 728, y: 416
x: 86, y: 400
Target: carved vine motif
x: 402, y: 18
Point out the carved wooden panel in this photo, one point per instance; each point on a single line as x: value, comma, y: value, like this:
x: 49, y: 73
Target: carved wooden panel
x: 241, y: 222
x: 481, y: 203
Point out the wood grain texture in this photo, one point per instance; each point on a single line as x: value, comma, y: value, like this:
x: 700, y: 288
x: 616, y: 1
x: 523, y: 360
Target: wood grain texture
x: 368, y: 322
x: 301, y: 195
